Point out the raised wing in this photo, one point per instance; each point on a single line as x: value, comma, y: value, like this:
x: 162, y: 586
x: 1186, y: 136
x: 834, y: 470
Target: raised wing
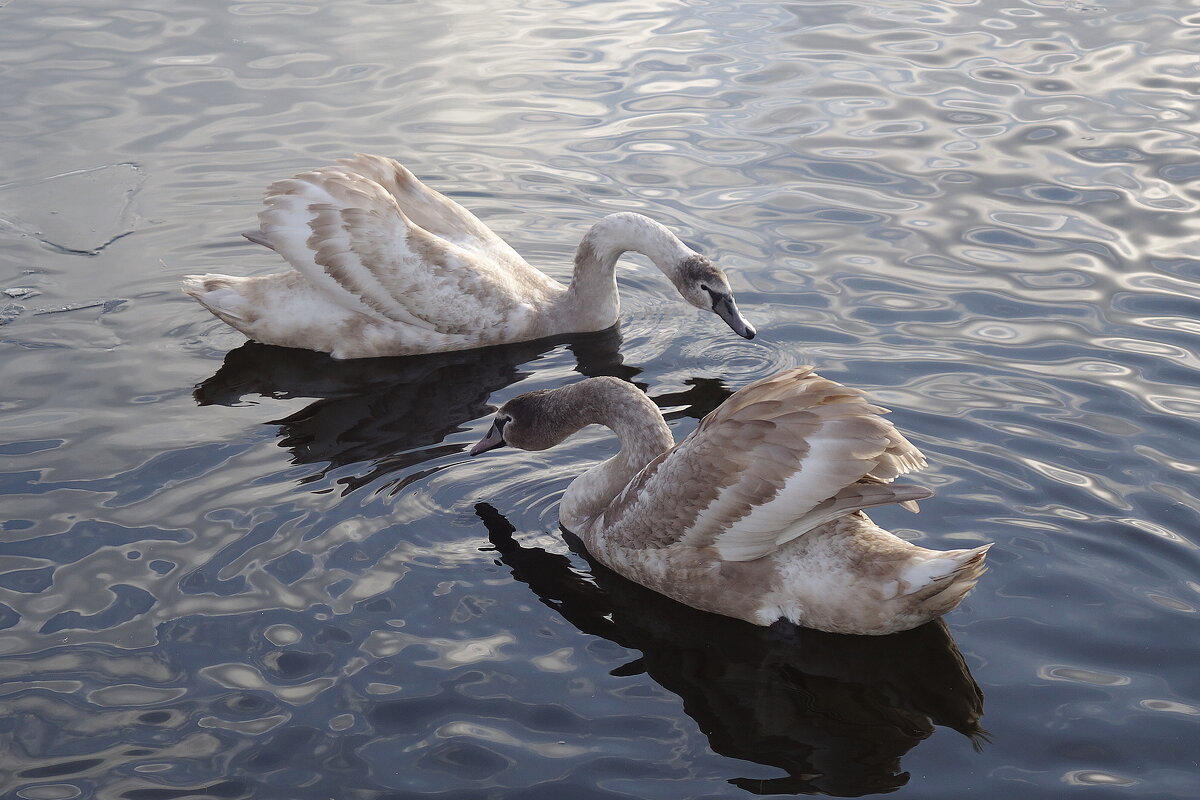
x: 377, y: 241
x: 776, y: 460
x: 432, y: 210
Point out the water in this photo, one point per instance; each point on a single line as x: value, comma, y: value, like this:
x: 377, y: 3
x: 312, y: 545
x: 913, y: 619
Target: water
x: 232, y: 571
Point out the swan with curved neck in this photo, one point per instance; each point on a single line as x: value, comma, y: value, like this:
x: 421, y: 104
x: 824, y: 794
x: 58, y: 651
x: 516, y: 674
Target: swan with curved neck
x: 385, y: 266
x: 758, y: 513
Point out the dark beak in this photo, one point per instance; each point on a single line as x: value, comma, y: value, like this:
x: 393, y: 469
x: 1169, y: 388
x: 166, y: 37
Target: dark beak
x: 493, y: 440
x: 725, y: 308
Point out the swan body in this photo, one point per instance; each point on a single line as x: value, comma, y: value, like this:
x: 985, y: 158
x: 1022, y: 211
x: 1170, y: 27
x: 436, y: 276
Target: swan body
x: 382, y: 265
x: 758, y: 513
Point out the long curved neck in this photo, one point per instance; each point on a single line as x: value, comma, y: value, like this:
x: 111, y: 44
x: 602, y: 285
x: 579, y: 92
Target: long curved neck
x: 644, y: 435
x: 591, y: 298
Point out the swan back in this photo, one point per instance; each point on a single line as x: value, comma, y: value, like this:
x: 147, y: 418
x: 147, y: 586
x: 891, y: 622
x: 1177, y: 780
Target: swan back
x: 777, y: 459
x: 351, y: 231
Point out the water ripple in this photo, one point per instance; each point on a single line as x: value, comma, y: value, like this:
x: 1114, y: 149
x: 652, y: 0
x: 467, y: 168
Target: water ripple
x: 235, y: 571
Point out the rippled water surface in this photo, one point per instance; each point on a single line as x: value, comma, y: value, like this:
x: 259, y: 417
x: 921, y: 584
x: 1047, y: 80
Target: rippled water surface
x: 234, y: 571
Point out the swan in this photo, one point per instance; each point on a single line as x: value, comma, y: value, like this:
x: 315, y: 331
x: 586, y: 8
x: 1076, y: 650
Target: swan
x: 385, y: 266
x: 758, y: 513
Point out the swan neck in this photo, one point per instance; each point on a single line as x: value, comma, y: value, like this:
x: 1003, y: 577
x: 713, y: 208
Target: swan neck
x: 644, y: 436
x: 593, y: 290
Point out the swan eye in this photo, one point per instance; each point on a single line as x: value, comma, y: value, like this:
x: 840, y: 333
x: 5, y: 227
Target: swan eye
x: 704, y: 287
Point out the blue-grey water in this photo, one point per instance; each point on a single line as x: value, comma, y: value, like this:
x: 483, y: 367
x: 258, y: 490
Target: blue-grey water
x: 234, y: 571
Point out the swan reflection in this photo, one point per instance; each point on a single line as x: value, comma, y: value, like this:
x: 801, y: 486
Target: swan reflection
x: 393, y: 413
x: 836, y: 713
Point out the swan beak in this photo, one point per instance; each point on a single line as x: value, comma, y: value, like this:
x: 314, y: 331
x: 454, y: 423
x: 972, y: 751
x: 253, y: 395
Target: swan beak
x: 493, y: 440
x: 725, y: 308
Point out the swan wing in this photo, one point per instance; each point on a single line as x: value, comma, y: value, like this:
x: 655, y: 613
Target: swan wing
x: 777, y: 459
x: 349, y: 235
x: 432, y: 210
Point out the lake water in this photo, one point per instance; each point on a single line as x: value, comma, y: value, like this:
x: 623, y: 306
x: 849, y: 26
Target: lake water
x: 234, y: 571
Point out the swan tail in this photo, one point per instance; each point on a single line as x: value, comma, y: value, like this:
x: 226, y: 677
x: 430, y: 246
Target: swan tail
x: 941, y: 581
x: 219, y: 294
x: 259, y: 237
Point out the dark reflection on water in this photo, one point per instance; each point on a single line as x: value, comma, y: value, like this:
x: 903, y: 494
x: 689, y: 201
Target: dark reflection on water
x: 391, y: 412
x: 836, y: 713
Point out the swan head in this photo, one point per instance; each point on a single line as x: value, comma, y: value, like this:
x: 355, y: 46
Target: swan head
x: 527, y: 422
x: 540, y: 419
x: 704, y: 285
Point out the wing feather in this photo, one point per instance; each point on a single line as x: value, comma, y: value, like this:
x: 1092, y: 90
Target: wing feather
x: 377, y: 241
x: 776, y: 460
x: 432, y: 210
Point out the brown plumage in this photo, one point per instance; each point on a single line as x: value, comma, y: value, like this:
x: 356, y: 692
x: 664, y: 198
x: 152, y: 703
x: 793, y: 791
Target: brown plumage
x: 758, y: 513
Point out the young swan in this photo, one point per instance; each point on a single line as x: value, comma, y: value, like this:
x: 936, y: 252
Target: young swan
x: 386, y: 266
x: 758, y: 513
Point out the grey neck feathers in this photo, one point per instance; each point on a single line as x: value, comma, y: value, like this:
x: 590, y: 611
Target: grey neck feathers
x: 593, y: 290
x: 639, y: 425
